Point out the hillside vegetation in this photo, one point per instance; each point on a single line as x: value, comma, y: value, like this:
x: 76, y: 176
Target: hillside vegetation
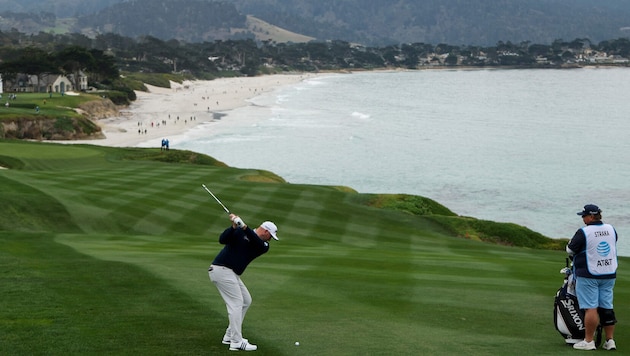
x: 43, y: 116
x: 455, y: 22
x: 369, y: 22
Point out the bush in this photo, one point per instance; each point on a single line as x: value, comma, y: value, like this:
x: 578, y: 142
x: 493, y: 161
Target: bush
x: 508, y: 234
x: 469, y: 228
x: 170, y: 156
x: 412, y: 204
x: 119, y: 97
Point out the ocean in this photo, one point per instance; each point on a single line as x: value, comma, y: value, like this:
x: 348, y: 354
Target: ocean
x: 524, y: 146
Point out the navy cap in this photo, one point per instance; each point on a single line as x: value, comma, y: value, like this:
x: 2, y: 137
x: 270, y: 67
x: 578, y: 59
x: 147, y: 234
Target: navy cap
x: 590, y: 209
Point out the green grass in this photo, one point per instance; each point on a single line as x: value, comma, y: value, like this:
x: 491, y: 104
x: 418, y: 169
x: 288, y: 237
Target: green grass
x: 54, y: 106
x: 163, y: 80
x: 39, y: 116
x: 105, y: 251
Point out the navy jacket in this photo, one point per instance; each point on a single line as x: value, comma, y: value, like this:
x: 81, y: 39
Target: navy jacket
x: 241, y: 248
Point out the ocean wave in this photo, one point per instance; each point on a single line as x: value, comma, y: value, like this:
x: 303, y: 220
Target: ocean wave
x: 359, y: 115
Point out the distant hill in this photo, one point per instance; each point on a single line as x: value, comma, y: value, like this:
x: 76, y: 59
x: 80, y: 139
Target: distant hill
x: 266, y: 31
x: 371, y: 22
x: 60, y: 8
x: 191, y: 20
x: 456, y: 22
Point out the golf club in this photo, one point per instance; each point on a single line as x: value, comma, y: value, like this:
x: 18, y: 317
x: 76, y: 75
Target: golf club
x: 238, y: 220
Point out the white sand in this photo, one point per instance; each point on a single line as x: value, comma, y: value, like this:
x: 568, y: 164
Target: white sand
x: 154, y: 115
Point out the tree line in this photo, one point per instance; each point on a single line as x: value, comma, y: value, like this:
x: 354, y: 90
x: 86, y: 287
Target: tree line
x: 105, y: 56
x: 370, y: 22
x: 70, y: 61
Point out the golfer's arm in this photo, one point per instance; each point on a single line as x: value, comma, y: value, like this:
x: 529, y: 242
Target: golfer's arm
x: 227, y: 235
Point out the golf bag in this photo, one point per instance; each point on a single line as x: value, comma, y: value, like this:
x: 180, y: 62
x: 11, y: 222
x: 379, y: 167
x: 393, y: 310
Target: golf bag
x: 568, y: 318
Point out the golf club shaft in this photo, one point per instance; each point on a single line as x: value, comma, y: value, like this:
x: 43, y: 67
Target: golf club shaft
x: 215, y: 198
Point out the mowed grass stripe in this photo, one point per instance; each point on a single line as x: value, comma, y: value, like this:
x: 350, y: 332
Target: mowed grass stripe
x: 109, y: 307
x: 348, y: 272
x: 408, y: 288
x: 423, y: 311
x: 302, y: 206
x: 317, y: 297
x: 125, y: 195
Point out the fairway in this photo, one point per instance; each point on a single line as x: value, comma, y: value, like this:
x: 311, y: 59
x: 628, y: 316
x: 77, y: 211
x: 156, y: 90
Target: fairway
x: 103, y: 254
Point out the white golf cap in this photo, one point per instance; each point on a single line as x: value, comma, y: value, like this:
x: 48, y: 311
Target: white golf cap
x: 272, y: 228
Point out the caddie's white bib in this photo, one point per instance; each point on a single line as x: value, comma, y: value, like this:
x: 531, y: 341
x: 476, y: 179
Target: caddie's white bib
x: 601, y: 249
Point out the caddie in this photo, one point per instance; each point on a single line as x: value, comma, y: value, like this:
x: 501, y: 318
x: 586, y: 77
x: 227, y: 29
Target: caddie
x: 594, y: 252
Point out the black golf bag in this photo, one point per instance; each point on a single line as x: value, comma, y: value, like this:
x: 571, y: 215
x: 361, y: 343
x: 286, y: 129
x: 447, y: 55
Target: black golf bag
x: 568, y: 318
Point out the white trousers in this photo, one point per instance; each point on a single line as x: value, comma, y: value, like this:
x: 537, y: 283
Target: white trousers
x: 237, y: 299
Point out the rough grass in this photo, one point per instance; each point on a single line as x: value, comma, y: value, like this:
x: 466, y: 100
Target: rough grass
x: 461, y: 226
x: 108, y: 254
x: 163, y: 80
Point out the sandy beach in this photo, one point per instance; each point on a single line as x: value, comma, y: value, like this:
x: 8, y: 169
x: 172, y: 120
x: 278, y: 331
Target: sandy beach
x: 166, y: 112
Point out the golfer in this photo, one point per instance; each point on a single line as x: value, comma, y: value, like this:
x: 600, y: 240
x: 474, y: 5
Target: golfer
x: 242, y: 246
x: 594, y: 251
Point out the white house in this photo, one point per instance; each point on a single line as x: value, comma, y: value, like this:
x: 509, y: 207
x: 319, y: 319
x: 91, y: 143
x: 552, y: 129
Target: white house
x: 48, y: 83
x: 82, y: 82
x: 57, y: 84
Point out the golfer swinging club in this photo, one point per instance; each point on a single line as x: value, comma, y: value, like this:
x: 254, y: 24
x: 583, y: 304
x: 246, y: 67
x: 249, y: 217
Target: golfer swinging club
x: 242, y: 246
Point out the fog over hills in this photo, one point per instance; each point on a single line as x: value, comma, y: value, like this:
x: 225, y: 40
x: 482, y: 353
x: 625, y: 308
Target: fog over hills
x: 60, y: 8
x: 370, y: 22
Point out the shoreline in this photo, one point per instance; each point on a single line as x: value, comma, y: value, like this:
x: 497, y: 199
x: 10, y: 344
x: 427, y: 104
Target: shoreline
x: 161, y: 113
x: 167, y: 112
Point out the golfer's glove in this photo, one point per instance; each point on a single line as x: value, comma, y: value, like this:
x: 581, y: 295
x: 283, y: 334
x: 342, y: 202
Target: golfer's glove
x: 238, y: 222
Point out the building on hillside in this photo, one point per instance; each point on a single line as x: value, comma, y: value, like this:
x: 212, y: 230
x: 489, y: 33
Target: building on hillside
x: 46, y: 83
x: 22, y: 83
x: 57, y: 84
x: 82, y: 82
